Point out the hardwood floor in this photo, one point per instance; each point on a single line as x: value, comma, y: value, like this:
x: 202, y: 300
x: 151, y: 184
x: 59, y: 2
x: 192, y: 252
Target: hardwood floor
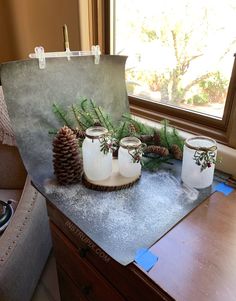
x: 47, y: 289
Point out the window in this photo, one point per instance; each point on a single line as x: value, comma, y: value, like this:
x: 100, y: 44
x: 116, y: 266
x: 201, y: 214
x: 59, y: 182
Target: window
x: 180, y: 59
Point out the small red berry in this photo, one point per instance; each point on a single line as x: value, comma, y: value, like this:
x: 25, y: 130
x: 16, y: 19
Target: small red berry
x: 208, y: 164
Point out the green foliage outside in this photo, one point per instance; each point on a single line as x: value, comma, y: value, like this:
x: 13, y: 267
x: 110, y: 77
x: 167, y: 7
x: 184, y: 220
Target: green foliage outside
x: 182, y: 43
x: 211, y: 90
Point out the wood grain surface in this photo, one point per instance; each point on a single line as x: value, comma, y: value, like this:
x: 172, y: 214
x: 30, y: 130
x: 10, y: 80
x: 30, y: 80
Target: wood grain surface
x: 197, y: 258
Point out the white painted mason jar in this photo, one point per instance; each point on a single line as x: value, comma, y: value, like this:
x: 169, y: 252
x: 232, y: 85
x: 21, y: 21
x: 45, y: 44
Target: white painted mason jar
x: 97, y: 164
x: 199, y: 159
x: 128, y: 162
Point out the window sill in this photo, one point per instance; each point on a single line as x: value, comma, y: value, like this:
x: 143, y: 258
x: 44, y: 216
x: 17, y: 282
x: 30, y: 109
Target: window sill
x: 228, y: 154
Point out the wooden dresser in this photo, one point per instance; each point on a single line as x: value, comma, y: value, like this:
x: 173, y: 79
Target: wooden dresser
x: 197, y: 260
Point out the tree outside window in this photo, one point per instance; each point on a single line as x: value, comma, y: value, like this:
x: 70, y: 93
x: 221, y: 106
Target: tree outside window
x: 180, y: 52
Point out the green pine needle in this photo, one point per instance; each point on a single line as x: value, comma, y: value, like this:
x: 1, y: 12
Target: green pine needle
x: 176, y: 139
x: 61, y: 114
x: 153, y: 164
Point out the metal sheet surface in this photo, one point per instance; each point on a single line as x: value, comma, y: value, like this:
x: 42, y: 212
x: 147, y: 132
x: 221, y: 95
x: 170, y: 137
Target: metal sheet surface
x: 119, y: 222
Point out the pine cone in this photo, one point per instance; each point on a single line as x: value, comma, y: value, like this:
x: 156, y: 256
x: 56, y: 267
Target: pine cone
x: 67, y: 163
x: 132, y: 128
x: 97, y: 123
x: 156, y: 138
x: 146, y: 138
x: 79, y: 133
x: 155, y: 149
x: 176, y: 152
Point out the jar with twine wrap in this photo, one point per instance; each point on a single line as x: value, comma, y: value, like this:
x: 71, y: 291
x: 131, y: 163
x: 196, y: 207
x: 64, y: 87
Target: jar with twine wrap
x: 199, y: 158
x: 97, y: 156
x: 129, y: 156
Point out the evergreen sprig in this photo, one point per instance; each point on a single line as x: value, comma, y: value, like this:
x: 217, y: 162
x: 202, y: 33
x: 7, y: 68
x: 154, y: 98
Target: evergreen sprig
x: 62, y: 115
x: 140, y: 128
x: 153, y: 164
x: 176, y: 139
x: 165, y: 134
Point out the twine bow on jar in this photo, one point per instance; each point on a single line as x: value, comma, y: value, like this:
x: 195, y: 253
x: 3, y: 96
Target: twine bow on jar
x: 203, y: 156
x: 134, y: 147
x: 137, y: 152
x: 129, y: 157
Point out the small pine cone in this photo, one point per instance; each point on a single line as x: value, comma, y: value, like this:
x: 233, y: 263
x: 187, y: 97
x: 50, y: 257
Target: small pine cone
x: 155, y: 149
x: 132, y: 128
x: 68, y: 166
x: 146, y: 138
x: 176, y: 152
x: 97, y: 123
x: 156, y: 138
x: 80, y: 134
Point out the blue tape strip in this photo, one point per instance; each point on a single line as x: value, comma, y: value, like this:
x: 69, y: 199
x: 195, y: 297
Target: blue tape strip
x: 145, y: 259
x: 222, y: 187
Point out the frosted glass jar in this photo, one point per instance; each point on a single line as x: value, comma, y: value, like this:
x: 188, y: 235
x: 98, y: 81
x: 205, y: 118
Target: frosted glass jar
x: 128, y: 166
x: 199, y: 162
x: 97, y: 165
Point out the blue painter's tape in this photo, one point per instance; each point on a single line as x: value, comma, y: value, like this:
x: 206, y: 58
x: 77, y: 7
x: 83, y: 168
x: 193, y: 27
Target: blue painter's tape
x: 145, y: 259
x: 222, y: 187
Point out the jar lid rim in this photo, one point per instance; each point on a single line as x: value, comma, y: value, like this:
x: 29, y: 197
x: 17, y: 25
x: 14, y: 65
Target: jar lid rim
x: 199, y: 148
x: 136, y: 142
x: 96, y: 132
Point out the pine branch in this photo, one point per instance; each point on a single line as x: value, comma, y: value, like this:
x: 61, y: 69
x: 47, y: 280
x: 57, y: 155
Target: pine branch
x: 81, y: 125
x: 153, y: 164
x: 52, y: 132
x: 141, y: 128
x: 85, y: 111
x: 177, y: 139
x: 95, y: 109
x: 164, y: 134
x: 134, y: 122
x: 61, y: 114
x: 104, y: 120
x: 88, y: 119
x: 83, y: 104
x: 110, y: 123
x: 122, y: 131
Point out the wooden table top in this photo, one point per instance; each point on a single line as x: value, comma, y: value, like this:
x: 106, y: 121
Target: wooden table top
x: 197, y: 258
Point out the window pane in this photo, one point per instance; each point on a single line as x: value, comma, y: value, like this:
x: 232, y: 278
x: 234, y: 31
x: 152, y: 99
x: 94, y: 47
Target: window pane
x: 180, y: 53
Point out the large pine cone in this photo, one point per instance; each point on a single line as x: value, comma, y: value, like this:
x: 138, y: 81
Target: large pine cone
x: 68, y: 166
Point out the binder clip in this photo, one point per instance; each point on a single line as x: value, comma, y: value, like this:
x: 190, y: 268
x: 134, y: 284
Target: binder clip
x: 96, y: 51
x: 40, y: 55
